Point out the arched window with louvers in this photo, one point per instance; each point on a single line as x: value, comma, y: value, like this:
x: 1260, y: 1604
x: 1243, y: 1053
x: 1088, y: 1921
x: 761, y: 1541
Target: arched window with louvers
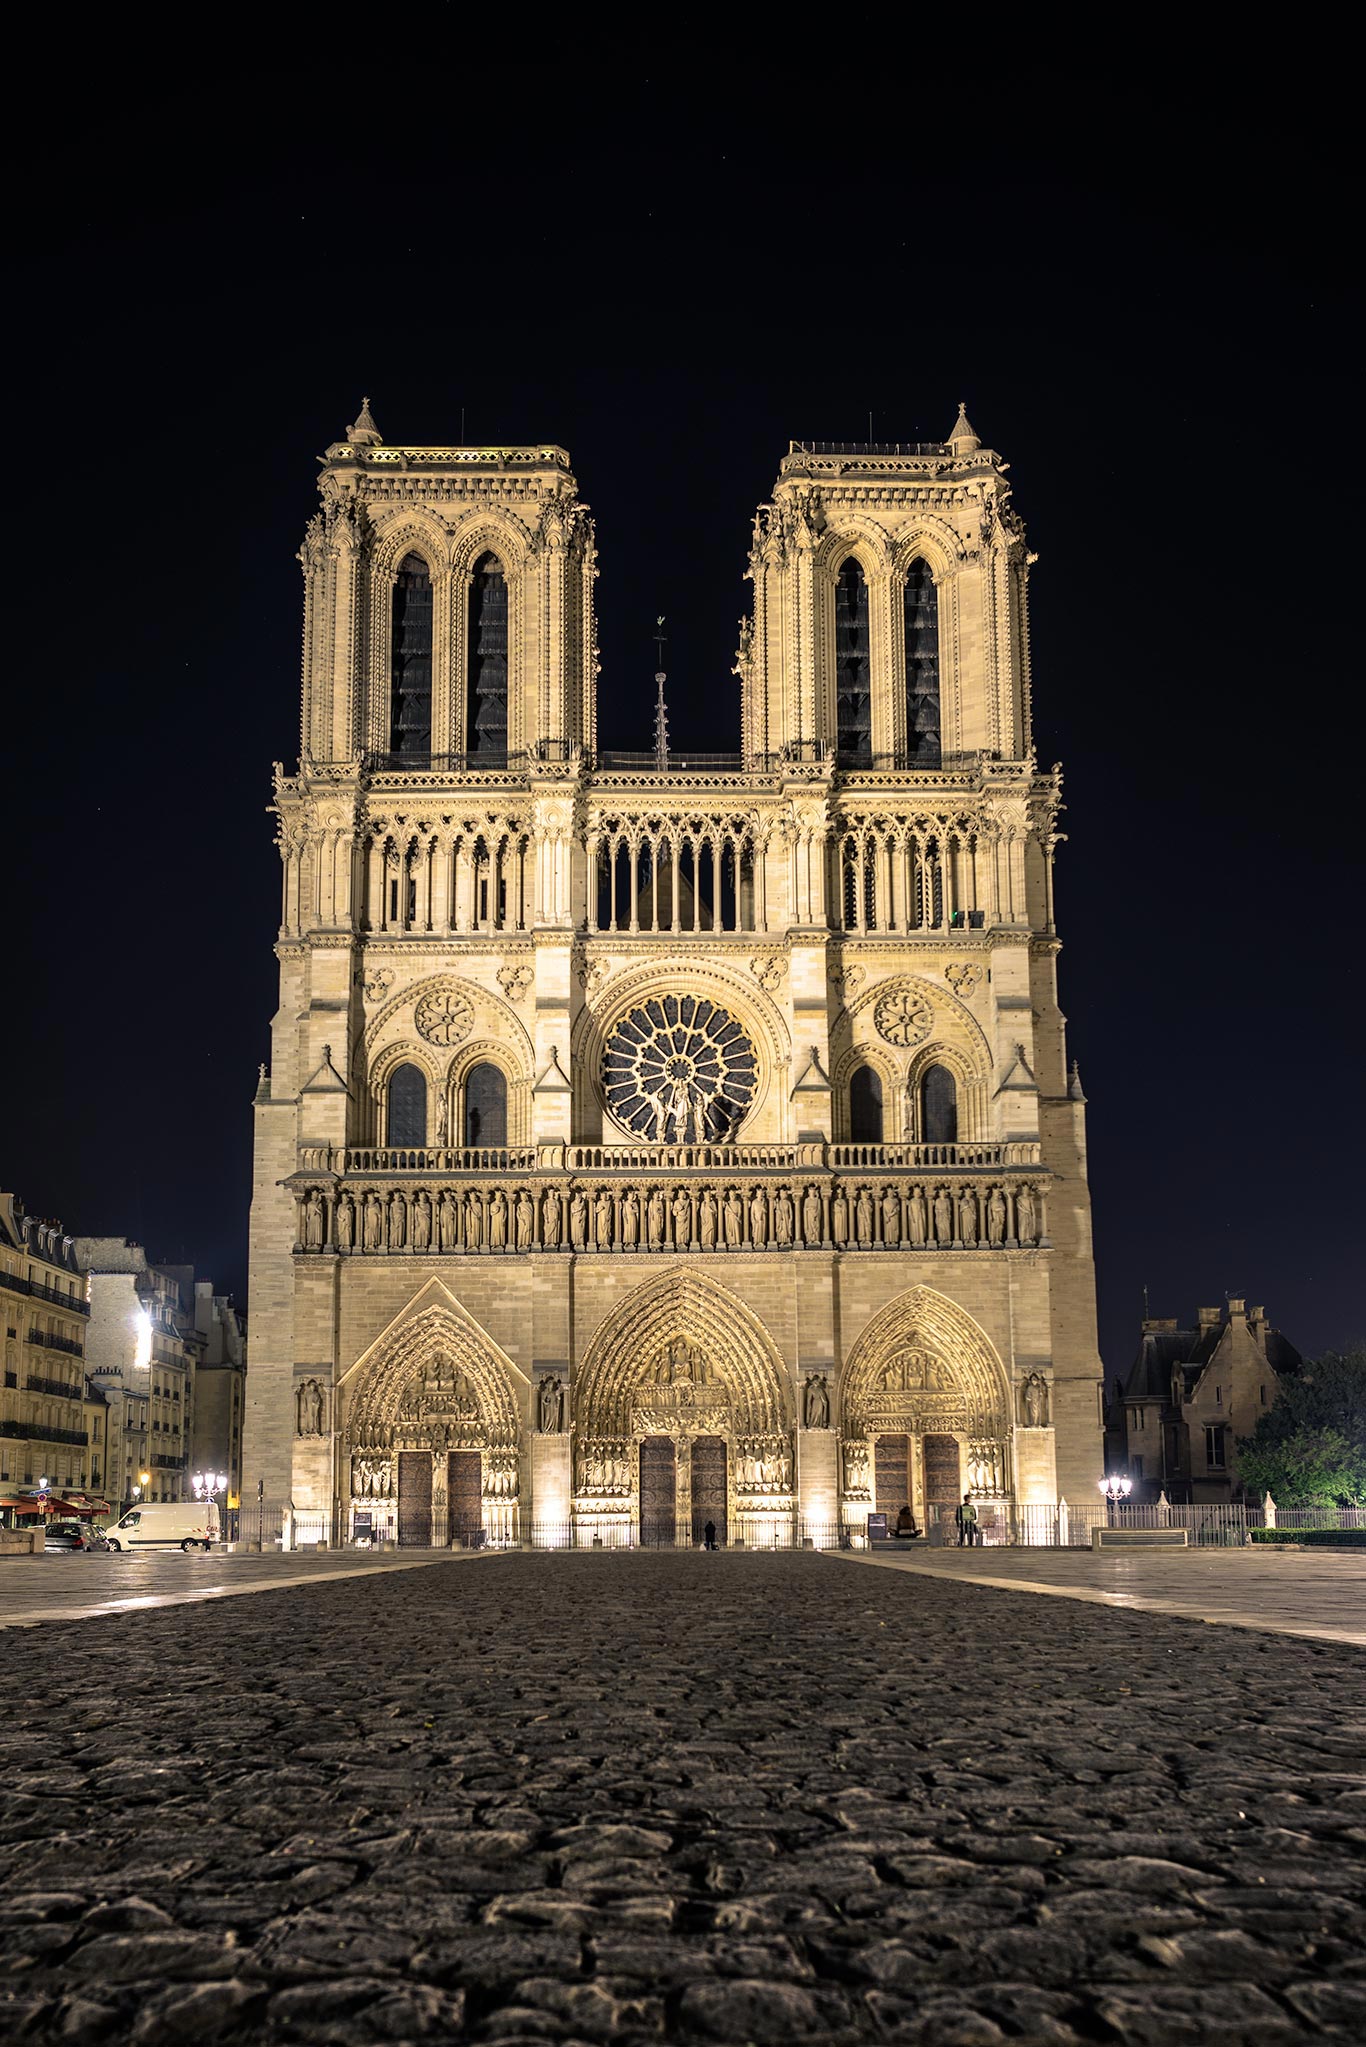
x: 921, y: 620
x: 486, y: 736
x: 410, y: 665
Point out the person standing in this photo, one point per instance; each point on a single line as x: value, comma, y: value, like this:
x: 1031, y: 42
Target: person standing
x: 966, y: 1517
x: 709, y: 1535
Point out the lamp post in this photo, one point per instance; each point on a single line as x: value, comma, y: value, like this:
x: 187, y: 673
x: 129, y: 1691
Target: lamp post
x: 1116, y: 1491
x: 208, y: 1485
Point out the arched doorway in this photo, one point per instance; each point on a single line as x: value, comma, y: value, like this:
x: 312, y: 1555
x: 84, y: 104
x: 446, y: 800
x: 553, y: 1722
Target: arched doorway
x: 658, y: 1492
x: 430, y: 1435
x: 683, y: 1361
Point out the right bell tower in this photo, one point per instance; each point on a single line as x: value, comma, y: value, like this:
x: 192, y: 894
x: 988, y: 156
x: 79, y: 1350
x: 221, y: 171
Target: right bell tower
x: 885, y: 678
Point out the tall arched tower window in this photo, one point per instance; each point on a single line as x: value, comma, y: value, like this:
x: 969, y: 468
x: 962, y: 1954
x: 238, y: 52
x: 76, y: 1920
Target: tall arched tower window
x: 938, y: 1107
x: 865, y: 1106
x: 410, y: 707
x: 407, y: 1120
x: 486, y: 1106
x: 853, y: 666
x: 922, y: 665
x: 488, y: 663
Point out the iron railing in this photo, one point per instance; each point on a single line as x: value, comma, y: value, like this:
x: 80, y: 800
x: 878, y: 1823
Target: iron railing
x: 45, y: 1340
x: 17, y: 1284
x: 56, y: 1389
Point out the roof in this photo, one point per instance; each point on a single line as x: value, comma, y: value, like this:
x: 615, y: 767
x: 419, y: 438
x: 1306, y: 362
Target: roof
x: 1161, y: 1351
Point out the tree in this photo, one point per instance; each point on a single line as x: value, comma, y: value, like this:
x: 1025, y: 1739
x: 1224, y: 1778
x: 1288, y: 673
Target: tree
x: 1309, y: 1448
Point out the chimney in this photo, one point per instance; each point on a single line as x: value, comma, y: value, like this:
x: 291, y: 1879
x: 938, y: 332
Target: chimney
x: 1208, y: 1318
x: 1237, y: 1307
x: 1153, y: 1325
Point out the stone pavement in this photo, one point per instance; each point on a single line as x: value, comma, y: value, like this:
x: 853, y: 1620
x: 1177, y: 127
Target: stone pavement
x: 1317, y: 1593
x: 624, y: 1797
x: 68, y: 1585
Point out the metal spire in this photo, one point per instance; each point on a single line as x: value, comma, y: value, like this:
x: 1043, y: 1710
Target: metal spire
x: 661, y: 714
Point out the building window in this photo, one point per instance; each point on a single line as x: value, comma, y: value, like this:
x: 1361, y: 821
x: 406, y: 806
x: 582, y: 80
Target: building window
x: 853, y: 666
x: 486, y: 1106
x: 408, y: 1106
x: 488, y: 667
x: 1214, y: 1445
x: 410, y: 729
x: 1218, y: 1396
x: 1136, y: 1467
x: 938, y: 1107
x: 922, y: 665
x: 1261, y: 1390
x: 865, y: 1106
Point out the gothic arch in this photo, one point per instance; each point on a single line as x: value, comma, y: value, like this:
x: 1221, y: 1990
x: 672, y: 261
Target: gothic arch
x: 496, y: 1011
x: 688, y: 1304
x: 372, y: 1391
x: 924, y: 1320
x: 929, y: 540
x: 888, y: 1071
x: 412, y: 532
x: 672, y: 976
x: 864, y: 538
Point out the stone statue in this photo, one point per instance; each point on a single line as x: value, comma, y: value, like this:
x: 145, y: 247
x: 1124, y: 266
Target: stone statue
x: 758, y: 1219
x: 474, y: 1222
x: 943, y: 1217
x: 967, y: 1217
x: 839, y: 1219
x: 816, y: 1406
x: 782, y: 1220
x: 918, y: 1217
x: 443, y: 1119
x: 308, y: 1402
x: 682, y: 1220
x: 855, y: 1467
x: 735, y: 1221
x: 526, y: 1221
x: 498, y: 1222
x: 996, y: 1219
x: 630, y: 1220
x: 1024, y: 1215
x: 550, y: 1220
x: 448, y: 1222
x: 578, y: 1221
x: 811, y: 1216
x: 422, y: 1222
x: 1035, y: 1401
x: 550, y: 1406
x: 374, y: 1223
x: 706, y: 1221
x: 313, y: 1221
x: 398, y: 1222
x: 654, y: 1219
x: 602, y: 1217
x: 891, y: 1218
x: 863, y: 1216
x: 346, y: 1223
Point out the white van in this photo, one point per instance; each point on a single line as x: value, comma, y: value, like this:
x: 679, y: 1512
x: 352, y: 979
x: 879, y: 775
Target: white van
x: 167, y: 1524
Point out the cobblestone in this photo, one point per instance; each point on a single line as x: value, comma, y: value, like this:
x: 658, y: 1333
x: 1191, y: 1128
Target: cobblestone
x: 585, y: 1798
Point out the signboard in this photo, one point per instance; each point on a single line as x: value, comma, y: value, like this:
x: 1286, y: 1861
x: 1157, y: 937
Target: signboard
x: 363, y: 1527
x: 877, y: 1528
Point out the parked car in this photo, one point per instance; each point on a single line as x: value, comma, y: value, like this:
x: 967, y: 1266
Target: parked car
x: 167, y: 1524
x: 67, y: 1535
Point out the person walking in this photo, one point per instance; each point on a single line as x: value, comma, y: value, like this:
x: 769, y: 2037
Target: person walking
x: 966, y: 1517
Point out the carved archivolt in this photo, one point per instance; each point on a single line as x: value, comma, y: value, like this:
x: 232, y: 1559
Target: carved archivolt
x: 739, y: 1355
x: 442, y: 1338
x: 956, y: 1357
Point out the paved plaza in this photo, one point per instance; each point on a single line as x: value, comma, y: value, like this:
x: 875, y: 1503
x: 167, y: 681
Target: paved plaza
x: 593, y: 1796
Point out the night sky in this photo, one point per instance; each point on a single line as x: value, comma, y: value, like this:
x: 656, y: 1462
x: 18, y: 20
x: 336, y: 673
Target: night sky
x: 1144, y: 302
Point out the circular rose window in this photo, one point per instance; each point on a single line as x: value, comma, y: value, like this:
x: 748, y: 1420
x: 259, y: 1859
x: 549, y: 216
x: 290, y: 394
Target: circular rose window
x: 679, y: 1069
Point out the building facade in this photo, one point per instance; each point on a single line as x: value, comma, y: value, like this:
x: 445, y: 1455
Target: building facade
x: 220, y: 1383
x: 652, y: 1139
x: 142, y: 1352
x: 1173, y: 1420
x: 44, y: 1434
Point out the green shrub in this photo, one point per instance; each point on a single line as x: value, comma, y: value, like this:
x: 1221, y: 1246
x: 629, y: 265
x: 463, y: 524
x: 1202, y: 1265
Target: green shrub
x: 1320, y: 1538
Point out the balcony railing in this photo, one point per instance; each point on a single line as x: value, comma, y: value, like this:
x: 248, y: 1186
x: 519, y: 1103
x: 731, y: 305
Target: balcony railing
x: 816, y: 1156
x: 38, y: 1432
x: 45, y: 1340
x: 55, y: 1389
x: 74, y: 1304
x: 403, y: 1158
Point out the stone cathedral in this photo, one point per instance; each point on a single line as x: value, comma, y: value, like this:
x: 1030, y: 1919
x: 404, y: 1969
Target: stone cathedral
x: 654, y: 1139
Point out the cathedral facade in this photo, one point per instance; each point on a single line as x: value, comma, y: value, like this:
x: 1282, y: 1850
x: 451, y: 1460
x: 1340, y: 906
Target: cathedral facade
x: 657, y: 1139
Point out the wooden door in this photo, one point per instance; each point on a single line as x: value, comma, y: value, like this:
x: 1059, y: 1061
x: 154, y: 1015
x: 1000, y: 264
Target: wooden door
x: 415, y: 1498
x: 943, y: 1478
x: 464, y: 1498
x: 891, y: 1468
x: 658, y: 1517
x: 709, y: 1487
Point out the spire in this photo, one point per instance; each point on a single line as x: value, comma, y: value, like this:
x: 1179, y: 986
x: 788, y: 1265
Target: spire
x: 1074, y: 1084
x: 661, y: 714
x: 962, y: 441
x: 365, y: 434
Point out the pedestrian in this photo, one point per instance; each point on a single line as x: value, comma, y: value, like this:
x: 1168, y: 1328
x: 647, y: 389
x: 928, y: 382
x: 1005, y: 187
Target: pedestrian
x: 709, y: 1536
x: 966, y: 1517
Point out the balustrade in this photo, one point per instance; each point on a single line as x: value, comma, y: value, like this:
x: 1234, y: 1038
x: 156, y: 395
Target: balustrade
x: 453, y: 1160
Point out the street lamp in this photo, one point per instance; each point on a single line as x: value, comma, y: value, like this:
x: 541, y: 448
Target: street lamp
x: 1116, y: 1491
x: 207, y: 1486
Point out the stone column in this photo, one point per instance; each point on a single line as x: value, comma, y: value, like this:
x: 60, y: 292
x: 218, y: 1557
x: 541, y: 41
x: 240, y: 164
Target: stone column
x: 818, y: 1480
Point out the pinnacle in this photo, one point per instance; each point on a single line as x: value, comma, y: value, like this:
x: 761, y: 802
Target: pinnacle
x: 364, y: 434
x: 963, y: 440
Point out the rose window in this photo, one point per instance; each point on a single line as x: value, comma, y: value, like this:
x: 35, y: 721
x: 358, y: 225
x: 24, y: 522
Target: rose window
x: 679, y: 1069
x: 903, y: 1017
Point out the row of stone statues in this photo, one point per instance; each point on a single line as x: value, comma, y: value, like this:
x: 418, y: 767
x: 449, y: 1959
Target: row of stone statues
x: 858, y: 1217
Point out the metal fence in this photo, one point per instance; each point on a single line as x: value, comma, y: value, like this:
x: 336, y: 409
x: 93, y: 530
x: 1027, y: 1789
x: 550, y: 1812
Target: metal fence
x: 1207, y: 1527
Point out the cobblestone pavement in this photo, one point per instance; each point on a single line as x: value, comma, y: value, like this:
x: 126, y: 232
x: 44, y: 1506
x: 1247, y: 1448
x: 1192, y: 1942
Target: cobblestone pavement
x: 64, y: 1584
x: 731, y: 1798
x: 1301, y: 1591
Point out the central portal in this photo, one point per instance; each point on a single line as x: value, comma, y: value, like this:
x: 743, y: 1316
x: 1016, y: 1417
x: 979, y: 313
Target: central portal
x: 464, y: 1488
x: 658, y: 1466
x: 708, y: 1487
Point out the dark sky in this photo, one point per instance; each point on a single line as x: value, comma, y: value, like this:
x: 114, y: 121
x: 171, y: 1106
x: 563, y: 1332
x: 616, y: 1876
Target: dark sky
x: 1143, y: 300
